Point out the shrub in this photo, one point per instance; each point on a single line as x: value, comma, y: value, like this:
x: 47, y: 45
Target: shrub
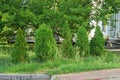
x: 67, y: 48
x: 97, y: 43
x: 82, y: 42
x: 19, y: 53
x: 45, y: 45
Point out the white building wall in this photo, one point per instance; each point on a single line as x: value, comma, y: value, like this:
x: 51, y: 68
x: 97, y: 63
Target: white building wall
x: 112, y: 32
x: 104, y: 29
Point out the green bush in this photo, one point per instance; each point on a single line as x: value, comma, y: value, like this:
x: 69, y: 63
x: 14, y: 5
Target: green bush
x: 97, y: 43
x: 67, y: 48
x: 82, y: 42
x: 19, y: 53
x: 45, y: 45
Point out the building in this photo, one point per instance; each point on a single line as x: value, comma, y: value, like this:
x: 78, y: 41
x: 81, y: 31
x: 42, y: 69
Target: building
x: 112, y: 30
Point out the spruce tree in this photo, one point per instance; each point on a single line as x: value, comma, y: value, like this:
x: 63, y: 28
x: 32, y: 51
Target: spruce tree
x: 45, y: 45
x: 67, y: 48
x: 82, y: 42
x: 97, y: 43
x: 19, y: 53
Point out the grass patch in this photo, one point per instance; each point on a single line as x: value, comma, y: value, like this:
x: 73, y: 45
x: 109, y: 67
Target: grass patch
x: 22, y: 68
x: 60, y: 65
x: 107, y: 61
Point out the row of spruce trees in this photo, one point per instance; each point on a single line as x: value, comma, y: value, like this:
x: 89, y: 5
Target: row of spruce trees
x: 46, y: 47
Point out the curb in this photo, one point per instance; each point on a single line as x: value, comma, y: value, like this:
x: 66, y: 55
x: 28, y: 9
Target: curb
x: 24, y: 77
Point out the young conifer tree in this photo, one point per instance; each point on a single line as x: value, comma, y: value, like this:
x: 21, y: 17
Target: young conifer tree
x: 67, y: 47
x: 82, y: 42
x: 45, y: 45
x: 19, y: 53
x: 97, y: 43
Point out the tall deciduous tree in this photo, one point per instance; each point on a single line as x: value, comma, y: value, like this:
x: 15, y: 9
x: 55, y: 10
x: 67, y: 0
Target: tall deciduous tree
x: 109, y: 7
x: 21, y: 13
x: 75, y: 12
x: 16, y: 14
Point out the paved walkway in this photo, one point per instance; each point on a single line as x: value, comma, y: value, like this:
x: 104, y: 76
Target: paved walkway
x: 112, y: 74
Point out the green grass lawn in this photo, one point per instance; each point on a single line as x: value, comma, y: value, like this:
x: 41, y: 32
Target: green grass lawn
x: 59, y: 65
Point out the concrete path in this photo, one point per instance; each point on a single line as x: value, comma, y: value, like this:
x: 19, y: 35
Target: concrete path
x: 112, y: 74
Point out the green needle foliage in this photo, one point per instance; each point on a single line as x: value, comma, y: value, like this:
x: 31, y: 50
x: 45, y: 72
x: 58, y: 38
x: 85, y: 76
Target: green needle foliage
x: 45, y: 43
x: 82, y: 42
x: 67, y: 48
x: 97, y: 43
x: 19, y: 53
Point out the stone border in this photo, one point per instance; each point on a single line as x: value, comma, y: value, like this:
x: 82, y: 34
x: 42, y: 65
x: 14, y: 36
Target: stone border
x: 24, y: 77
